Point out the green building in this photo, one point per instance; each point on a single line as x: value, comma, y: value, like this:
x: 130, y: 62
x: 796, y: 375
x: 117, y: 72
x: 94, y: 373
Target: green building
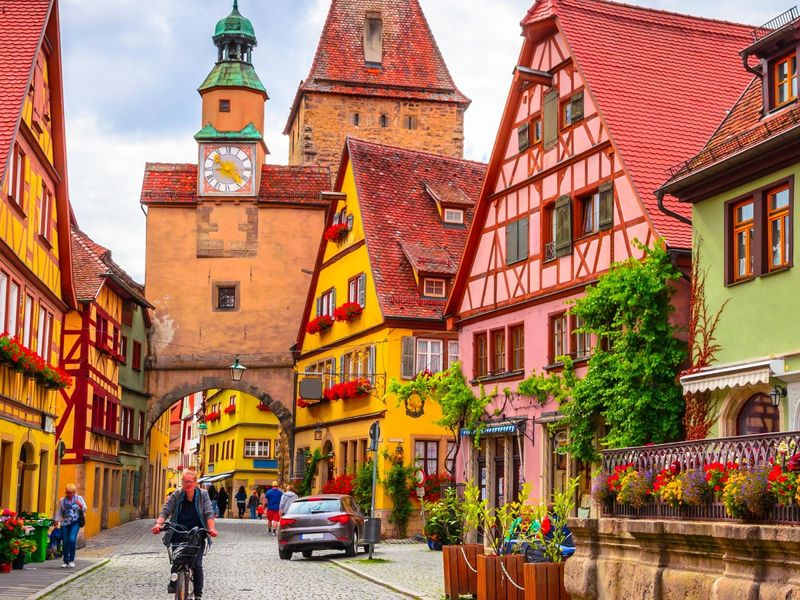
x: 741, y: 187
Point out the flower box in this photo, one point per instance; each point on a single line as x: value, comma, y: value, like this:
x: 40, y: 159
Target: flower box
x: 348, y: 312
x: 460, y: 565
x: 212, y: 416
x: 230, y: 409
x: 263, y: 407
x: 348, y: 390
x: 337, y: 233
x: 319, y: 325
x: 18, y: 358
x: 501, y: 577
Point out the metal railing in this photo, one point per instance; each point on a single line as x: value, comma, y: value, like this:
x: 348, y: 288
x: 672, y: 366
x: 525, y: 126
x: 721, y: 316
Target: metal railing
x: 781, y: 20
x: 744, y: 450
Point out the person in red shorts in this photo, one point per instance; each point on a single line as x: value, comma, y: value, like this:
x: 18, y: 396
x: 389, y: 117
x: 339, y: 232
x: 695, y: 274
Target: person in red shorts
x: 274, y: 496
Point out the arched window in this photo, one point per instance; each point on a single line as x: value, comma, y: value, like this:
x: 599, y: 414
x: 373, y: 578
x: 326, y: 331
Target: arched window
x: 758, y: 415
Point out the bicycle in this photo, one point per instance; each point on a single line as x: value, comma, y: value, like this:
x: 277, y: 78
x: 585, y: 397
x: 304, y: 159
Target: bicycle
x: 184, y: 555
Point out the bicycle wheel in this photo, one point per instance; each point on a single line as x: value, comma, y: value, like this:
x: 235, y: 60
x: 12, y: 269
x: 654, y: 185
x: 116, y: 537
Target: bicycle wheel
x: 182, y: 585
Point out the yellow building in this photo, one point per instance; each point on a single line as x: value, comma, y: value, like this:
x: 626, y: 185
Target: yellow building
x: 242, y: 444
x: 92, y: 420
x: 390, y: 251
x: 158, y: 456
x: 35, y: 269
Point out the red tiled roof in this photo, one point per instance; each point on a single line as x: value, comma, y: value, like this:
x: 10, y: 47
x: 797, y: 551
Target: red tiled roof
x: 177, y: 184
x: 426, y: 257
x: 398, y: 213
x: 412, y: 66
x: 662, y: 82
x: 21, y: 29
x: 448, y: 194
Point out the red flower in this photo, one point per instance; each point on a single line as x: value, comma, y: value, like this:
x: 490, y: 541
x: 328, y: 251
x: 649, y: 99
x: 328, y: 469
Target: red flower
x: 319, y: 325
x: 337, y: 233
x: 546, y: 526
x: 349, y: 311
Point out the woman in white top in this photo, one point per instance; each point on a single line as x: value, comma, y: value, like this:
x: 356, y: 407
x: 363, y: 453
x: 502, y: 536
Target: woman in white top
x: 68, y: 517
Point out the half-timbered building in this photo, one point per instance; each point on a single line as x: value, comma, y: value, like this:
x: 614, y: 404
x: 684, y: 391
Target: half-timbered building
x: 92, y: 419
x: 603, y: 99
x: 35, y: 269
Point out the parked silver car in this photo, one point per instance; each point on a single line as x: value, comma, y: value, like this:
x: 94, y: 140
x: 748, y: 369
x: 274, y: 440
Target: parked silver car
x: 325, y: 522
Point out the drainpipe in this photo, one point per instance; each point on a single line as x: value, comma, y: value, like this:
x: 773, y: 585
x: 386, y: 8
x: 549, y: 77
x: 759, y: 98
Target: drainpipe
x: 290, y: 434
x: 668, y: 212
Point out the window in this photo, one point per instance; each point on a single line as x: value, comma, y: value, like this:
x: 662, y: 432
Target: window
x: 111, y: 417
x: 434, y: 288
x: 357, y: 290
x: 481, y: 366
x: 536, y: 129
x: 224, y: 106
x: 453, y: 353
x: 516, y: 335
x: 426, y: 456
x: 373, y: 39
x: 572, y: 110
x: 558, y: 337
x: 550, y: 119
x: 558, y: 223
x: 45, y: 216
x: 256, y: 448
x: 356, y: 119
x: 517, y: 240
x: 16, y: 176
x: 450, y: 458
x: 13, y: 309
x: 498, y: 351
x: 124, y: 350
x: 126, y: 423
x: 454, y: 216
x: 582, y: 341
x: 140, y: 437
x: 429, y: 355
x: 743, y: 239
x: 44, y: 333
x: 597, y: 210
x: 3, y: 301
x: 232, y: 400
x: 137, y: 356
x: 27, y: 321
x: 226, y: 297
x: 758, y: 416
x: 410, y: 122
x: 384, y: 121
x: 523, y: 137
x: 98, y: 412
x: 326, y: 303
x: 778, y: 227
x: 784, y: 73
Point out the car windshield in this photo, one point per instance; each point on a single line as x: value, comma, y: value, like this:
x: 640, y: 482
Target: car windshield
x: 309, y: 507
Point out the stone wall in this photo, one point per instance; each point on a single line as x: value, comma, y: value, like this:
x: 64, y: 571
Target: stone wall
x: 668, y: 560
x: 323, y: 122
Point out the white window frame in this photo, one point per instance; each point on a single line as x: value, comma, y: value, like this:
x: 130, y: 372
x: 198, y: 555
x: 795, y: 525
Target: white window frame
x: 454, y: 216
x: 327, y: 303
x: 27, y: 321
x: 13, y: 309
x: 426, y: 356
x: 426, y: 291
x: 257, y: 449
x: 4, y: 285
x: 453, y: 352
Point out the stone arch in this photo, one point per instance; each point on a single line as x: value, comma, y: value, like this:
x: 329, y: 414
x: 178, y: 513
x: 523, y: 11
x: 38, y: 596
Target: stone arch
x: 732, y: 403
x: 27, y: 464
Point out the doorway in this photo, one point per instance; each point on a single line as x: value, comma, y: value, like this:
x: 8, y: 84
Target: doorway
x: 23, y: 460
x: 106, y: 495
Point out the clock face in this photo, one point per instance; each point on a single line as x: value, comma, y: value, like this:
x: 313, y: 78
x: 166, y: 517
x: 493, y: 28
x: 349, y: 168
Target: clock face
x: 227, y: 169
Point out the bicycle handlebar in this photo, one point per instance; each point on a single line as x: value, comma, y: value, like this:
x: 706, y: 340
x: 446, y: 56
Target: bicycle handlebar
x: 177, y: 527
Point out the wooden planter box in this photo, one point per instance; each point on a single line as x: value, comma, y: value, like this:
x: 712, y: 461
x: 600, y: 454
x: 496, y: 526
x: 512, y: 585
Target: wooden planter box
x: 493, y: 584
x: 545, y: 581
x: 460, y: 578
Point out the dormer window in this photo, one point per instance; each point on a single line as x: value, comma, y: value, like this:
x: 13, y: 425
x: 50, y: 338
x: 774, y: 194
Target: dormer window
x: 453, y: 216
x: 434, y: 288
x: 373, y: 40
x: 784, y: 75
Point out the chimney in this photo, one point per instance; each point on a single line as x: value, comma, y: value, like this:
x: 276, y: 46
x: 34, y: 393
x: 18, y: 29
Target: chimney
x: 373, y: 39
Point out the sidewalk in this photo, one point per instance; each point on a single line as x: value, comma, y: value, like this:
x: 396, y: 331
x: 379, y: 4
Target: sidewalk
x: 404, y: 566
x: 39, y: 578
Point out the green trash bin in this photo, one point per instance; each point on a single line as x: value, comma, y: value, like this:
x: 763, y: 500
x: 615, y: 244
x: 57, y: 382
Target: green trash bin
x: 40, y: 535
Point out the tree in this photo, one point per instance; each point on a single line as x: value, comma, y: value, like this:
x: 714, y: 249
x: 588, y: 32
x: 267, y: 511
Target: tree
x: 631, y: 383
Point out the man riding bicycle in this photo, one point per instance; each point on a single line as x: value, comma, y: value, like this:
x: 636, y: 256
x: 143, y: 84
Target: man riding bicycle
x: 188, y: 507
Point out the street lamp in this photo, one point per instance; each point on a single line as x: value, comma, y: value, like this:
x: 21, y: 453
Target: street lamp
x: 777, y: 394
x: 237, y: 370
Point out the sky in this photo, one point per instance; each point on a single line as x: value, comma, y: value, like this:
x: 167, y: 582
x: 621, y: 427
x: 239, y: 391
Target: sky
x: 132, y: 68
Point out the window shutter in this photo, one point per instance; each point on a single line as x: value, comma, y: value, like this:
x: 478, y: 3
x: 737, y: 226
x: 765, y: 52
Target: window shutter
x: 362, y: 290
x: 336, y: 218
x: 577, y: 107
x: 319, y: 305
x: 350, y: 222
x: 550, y: 121
x: 371, y: 365
x: 563, y: 215
x: 523, y: 137
x: 512, y: 232
x: 606, y: 206
x: 341, y: 368
x: 333, y: 301
x: 407, y: 365
x: 522, y: 239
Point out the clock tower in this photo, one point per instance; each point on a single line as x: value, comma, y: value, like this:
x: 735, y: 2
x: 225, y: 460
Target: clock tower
x: 231, y: 142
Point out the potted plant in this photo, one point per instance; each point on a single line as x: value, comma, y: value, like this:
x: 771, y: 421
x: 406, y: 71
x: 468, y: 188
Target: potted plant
x: 348, y: 312
x: 460, y: 560
x: 444, y: 522
x: 319, y: 325
x: 20, y: 549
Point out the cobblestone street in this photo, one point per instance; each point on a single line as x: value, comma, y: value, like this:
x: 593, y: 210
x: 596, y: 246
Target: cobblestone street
x: 243, y: 563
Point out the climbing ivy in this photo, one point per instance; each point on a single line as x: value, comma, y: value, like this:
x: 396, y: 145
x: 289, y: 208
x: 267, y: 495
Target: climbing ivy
x: 398, y: 485
x: 311, y: 469
x: 631, y: 383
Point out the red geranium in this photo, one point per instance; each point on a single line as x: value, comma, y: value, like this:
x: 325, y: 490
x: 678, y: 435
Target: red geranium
x: 349, y: 311
x: 212, y: 416
x: 319, y: 325
x: 230, y: 409
x: 337, y: 233
x: 343, y: 484
x: 22, y: 360
x: 348, y: 390
x: 613, y: 479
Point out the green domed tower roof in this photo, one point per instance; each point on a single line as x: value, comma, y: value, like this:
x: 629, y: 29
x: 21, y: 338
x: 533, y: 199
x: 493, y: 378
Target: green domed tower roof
x: 235, y: 25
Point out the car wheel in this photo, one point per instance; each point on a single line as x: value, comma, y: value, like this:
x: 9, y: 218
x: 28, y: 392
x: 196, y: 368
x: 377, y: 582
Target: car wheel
x: 352, y: 549
x: 285, y: 554
x: 308, y: 553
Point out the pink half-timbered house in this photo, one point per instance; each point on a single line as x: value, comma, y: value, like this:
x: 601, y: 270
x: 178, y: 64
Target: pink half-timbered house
x: 604, y: 98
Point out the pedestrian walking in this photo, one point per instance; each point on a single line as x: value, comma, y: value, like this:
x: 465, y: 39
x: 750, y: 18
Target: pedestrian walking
x: 252, y: 504
x: 241, y: 501
x: 287, y: 498
x: 70, y: 516
x: 274, y: 496
x: 222, y: 502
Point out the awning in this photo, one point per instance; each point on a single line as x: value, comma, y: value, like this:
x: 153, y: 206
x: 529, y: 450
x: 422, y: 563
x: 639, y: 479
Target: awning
x: 497, y: 428
x: 732, y: 376
x: 215, y: 478
x: 549, y: 417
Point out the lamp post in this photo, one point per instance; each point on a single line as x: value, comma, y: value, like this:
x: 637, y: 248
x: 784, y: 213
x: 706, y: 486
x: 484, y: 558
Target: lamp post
x: 237, y: 370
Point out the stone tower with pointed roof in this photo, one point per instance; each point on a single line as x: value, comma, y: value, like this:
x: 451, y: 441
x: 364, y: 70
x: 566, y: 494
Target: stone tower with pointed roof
x: 377, y: 75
